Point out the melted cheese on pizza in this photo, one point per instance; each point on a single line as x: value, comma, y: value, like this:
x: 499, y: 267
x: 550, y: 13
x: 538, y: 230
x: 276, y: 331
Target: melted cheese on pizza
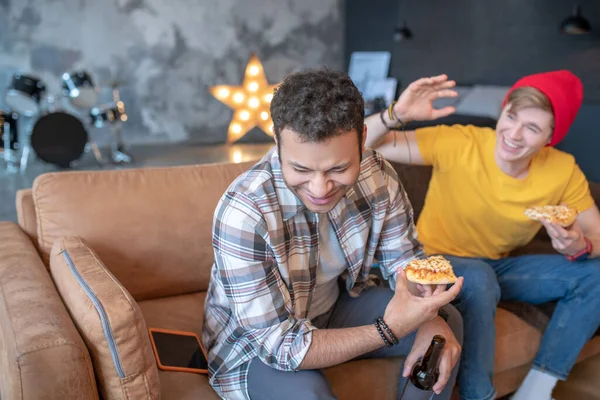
x: 561, y: 215
x: 434, y: 270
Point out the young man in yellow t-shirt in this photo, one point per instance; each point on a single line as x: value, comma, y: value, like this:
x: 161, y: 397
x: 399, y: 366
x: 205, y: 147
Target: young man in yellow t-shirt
x: 482, y: 182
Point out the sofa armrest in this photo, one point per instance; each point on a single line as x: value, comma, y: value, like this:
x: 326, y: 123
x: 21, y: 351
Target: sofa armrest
x: 42, y: 354
x: 26, y: 215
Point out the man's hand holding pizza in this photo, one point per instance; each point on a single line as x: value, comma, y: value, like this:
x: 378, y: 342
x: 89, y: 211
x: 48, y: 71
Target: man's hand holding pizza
x: 565, y: 240
x: 562, y: 227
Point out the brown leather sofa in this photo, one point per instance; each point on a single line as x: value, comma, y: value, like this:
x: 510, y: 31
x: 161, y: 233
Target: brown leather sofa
x: 141, y: 239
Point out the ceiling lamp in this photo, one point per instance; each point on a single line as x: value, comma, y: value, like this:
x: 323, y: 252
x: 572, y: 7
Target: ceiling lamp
x: 575, y: 24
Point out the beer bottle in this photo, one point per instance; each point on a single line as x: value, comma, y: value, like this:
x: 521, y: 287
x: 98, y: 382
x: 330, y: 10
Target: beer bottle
x: 425, y: 373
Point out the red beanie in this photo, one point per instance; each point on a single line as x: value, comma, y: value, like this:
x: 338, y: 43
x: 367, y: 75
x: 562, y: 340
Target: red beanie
x: 565, y: 92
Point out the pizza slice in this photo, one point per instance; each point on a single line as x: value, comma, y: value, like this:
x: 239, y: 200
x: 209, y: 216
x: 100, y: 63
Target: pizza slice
x: 561, y: 215
x: 435, y: 270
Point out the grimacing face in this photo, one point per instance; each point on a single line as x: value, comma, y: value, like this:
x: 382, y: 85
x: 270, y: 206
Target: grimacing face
x: 320, y: 173
x: 522, y: 134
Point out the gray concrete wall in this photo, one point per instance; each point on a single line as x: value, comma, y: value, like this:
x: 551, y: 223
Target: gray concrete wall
x: 166, y: 53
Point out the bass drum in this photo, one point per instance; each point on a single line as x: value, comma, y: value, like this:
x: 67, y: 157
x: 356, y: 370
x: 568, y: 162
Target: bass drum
x: 59, y: 138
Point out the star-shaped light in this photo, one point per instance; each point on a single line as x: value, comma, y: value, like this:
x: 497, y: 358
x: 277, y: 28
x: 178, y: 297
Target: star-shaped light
x: 250, y: 102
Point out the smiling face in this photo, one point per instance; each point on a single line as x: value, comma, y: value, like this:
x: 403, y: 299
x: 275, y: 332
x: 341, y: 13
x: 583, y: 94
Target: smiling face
x: 525, y: 126
x: 320, y: 173
x: 318, y: 122
x: 523, y: 133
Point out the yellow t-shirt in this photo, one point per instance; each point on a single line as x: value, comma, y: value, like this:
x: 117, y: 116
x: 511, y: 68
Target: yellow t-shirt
x: 472, y: 208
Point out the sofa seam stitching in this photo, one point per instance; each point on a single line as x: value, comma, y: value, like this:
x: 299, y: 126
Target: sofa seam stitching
x: 60, y: 343
x: 38, y: 214
x: 56, y: 343
x: 3, y: 293
x: 147, y: 386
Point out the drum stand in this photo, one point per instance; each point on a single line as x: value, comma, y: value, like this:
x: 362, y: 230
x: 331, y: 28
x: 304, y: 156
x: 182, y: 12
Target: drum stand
x: 25, y: 140
x: 118, y: 154
x: 13, y: 162
x: 9, y: 153
x: 25, y: 157
x: 93, y: 147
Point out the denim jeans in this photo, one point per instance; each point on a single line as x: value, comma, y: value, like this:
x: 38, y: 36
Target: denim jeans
x: 533, y: 279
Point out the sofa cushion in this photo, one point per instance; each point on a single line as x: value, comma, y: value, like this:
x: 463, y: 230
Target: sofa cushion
x: 517, y: 342
x: 152, y: 227
x: 415, y: 179
x: 371, y: 379
x: 109, y: 321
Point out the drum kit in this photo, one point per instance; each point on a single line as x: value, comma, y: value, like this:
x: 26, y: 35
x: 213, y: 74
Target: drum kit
x: 54, y: 134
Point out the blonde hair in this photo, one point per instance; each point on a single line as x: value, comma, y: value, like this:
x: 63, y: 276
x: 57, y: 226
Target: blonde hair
x: 527, y: 96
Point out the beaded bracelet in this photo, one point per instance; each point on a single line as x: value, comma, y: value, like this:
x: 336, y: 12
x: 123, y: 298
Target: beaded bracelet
x: 385, y: 339
x: 388, y: 330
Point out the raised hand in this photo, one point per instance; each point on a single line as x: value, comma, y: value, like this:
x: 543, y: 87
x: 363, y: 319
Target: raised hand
x: 416, y: 102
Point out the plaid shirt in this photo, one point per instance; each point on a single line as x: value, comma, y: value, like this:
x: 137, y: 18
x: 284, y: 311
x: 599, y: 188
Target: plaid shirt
x: 266, y: 249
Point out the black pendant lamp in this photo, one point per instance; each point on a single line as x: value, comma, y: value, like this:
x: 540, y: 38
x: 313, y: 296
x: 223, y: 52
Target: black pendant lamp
x: 575, y: 24
x: 402, y: 33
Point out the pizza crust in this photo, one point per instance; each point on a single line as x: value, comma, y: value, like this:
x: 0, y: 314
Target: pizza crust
x: 561, y: 215
x: 435, y: 270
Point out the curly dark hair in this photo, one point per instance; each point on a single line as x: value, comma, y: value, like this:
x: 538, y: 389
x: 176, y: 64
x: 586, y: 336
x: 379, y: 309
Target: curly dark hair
x: 317, y: 105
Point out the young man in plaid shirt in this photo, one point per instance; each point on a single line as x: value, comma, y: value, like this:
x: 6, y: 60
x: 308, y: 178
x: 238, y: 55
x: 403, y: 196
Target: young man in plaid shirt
x: 294, y: 240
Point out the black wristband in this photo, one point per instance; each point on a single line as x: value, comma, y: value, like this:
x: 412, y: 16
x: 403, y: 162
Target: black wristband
x: 385, y: 339
x: 388, y: 330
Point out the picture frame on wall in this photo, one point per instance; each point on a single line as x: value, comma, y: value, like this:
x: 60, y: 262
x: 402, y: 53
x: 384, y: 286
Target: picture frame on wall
x: 379, y: 94
x: 366, y: 66
x: 369, y: 72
